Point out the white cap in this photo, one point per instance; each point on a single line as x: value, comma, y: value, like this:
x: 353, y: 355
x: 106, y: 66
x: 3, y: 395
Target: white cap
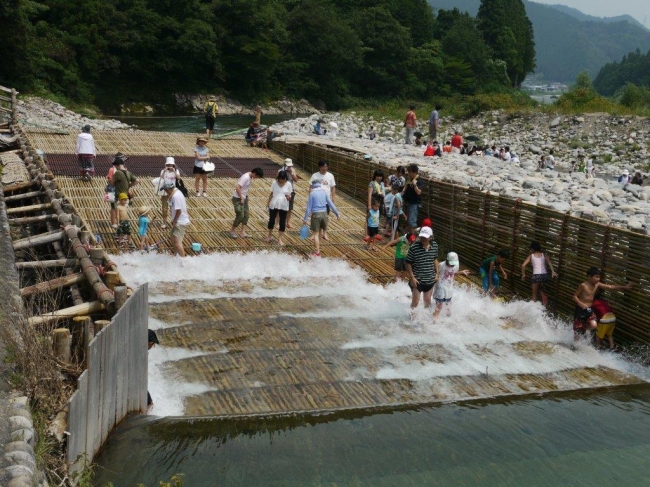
x: 288, y: 162
x: 334, y: 124
x: 625, y: 172
x: 169, y: 161
x: 452, y: 258
x: 426, y: 232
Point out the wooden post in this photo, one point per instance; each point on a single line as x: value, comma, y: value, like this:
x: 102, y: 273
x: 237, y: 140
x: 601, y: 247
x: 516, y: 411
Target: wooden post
x: 84, y: 236
x: 85, y: 331
x: 14, y: 107
x: 112, y: 280
x: 120, y: 296
x: 62, y: 342
x: 97, y: 256
x: 100, y: 325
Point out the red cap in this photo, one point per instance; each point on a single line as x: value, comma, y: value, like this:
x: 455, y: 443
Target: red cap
x: 427, y: 223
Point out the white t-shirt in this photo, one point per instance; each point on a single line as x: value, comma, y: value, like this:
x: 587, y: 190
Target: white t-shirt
x: 279, y: 199
x: 550, y: 161
x: 170, y: 176
x: 245, y: 183
x: 327, y: 181
x: 85, y: 144
x: 177, y: 202
x: 201, y: 151
x: 445, y: 285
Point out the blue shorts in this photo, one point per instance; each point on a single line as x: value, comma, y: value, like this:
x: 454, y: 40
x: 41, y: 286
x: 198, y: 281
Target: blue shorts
x: 496, y: 282
x: 412, y: 214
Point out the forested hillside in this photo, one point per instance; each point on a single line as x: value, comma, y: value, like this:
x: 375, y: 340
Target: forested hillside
x: 574, y: 12
x: 332, y: 52
x: 634, y: 68
x: 565, y: 45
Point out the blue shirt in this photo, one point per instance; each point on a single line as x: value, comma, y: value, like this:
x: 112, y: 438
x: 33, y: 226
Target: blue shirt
x: 373, y: 218
x: 318, y: 129
x: 318, y: 202
x: 143, y: 225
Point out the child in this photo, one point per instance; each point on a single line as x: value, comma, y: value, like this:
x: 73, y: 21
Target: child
x: 540, y: 275
x: 401, y: 250
x: 488, y: 271
x: 373, y: 225
x: 606, y: 322
x: 443, y: 291
x: 143, y: 226
x: 395, y: 211
x: 584, y: 317
x: 124, y: 226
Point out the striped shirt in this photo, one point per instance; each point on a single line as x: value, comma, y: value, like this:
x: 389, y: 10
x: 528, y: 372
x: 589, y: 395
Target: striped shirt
x: 423, y: 261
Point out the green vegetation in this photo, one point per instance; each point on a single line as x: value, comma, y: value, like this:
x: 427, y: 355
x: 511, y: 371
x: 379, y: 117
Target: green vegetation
x: 332, y: 52
x: 566, y: 45
x: 634, y: 69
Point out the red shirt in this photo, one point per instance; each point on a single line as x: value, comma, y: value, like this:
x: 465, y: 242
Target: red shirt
x: 456, y: 141
x: 410, y: 119
x: 601, y: 307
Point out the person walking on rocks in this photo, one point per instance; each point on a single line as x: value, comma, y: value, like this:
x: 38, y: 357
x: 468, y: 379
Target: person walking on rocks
x: 434, y: 124
x: 328, y: 184
x: 278, y: 205
x: 240, y: 202
x: 211, y: 109
x: 318, y: 206
x: 201, y: 156
x: 180, y: 217
x: 410, y: 123
x: 422, y: 267
x: 412, y: 195
x: 292, y: 177
x: 86, y: 153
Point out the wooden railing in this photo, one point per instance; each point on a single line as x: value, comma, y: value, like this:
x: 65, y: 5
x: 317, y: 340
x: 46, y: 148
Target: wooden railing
x: 8, y: 102
x: 476, y: 225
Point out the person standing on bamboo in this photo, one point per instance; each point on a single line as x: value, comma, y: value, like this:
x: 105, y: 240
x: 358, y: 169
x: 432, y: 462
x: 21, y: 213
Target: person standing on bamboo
x: 293, y: 178
x: 211, y: 109
x: 541, y: 265
x: 412, y: 195
x: 201, y: 155
x: 422, y: 267
x: 240, y: 202
x: 278, y: 205
x: 180, y: 217
x: 170, y: 173
x: 328, y: 184
x: 318, y: 205
x: 410, y: 123
x: 123, y: 180
x: 86, y: 153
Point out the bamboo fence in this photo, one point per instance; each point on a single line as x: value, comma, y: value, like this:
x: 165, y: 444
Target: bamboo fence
x: 477, y: 225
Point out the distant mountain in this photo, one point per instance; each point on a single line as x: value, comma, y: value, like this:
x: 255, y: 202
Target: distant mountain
x: 565, y: 44
x: 574, y: 12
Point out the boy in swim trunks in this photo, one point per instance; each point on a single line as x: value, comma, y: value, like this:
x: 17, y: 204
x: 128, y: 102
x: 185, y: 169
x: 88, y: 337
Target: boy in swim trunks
x: 584, y: 317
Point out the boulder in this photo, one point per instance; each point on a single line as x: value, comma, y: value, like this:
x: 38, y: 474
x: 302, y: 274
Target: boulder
x: 555, y: 122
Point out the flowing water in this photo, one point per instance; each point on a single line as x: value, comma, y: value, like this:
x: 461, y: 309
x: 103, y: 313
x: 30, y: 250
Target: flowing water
x: 363, y: 333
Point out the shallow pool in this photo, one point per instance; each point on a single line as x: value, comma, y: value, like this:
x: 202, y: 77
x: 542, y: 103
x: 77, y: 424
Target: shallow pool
x: 591, y: 438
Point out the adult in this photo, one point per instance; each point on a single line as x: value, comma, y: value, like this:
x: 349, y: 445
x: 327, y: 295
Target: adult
x: 507, y: 157
x: 434, y: 124
x: 169, y: 173
x: 153, y: 340
x: 180, y: 217
x: 625, y: 177
x: 590, y: 169
x: 293, y: 178
x: 456, y: 142
x: 240, y: 202
x: 201, y: 156
x: 422, y: 267
x: 211, y: 109
x: 412, y: 195
x: 258, y: 113
x: 255, y: 136
x: 318, y: 127
x: 410, y: 123
x: 376, y: 189
x: 318, y: 206
x: 123, y: 180
x: 86, y: 153
x: 328, y: 183
x: 111, y: 189
x: 550, y: 160
x: 278, y: 205
x: 637, y: 179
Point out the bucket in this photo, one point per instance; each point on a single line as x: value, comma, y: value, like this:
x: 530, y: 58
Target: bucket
x: 196, y: 247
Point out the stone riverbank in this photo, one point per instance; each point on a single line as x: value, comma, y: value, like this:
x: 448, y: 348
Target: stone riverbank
x: 613, y: 143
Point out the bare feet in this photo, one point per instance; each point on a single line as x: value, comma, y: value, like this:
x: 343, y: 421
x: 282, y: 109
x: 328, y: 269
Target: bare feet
x: 280, y: 243
x: 325, y: 237
x: 268, y: 239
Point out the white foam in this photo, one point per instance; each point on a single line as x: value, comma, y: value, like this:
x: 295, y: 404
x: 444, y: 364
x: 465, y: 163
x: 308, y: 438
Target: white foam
x: 480, y: 334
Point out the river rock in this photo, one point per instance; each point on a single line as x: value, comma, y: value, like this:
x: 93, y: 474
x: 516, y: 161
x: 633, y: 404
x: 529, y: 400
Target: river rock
x: 555, y: 122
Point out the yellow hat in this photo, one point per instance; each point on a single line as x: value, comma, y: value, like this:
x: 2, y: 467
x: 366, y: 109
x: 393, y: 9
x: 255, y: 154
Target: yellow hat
x: 123, y: 196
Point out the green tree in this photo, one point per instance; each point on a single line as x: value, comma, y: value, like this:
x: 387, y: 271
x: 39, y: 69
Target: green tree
x: 508, y: 31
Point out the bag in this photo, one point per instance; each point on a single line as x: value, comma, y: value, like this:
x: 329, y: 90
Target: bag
x: 110, y: 197
x: 180, y: 185
x: 109, y: 189
x: 157, y: 186
x: 304, y: 232
x: 208, y: 166
x: 211, y: 109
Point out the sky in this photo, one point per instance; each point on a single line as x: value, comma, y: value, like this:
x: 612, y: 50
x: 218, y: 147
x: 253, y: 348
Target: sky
x: 639, y: 9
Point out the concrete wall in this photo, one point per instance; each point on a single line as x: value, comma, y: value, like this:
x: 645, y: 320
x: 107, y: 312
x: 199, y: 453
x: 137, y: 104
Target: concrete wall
x: 115, y: 382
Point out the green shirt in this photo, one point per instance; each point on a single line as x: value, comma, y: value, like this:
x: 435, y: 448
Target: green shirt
x: 402, y: 248
x: 486, y: 263
x: 123, y: 180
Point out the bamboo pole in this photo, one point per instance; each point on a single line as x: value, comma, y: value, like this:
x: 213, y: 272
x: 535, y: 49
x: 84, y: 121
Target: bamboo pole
x: 18, y: 197
x: 28, y: 209
x: 67, y: 313
x: 42, y: 239
x: 58, y: 283
x: 45, y: 264
x: 31, y: 219
x: 18, y: 186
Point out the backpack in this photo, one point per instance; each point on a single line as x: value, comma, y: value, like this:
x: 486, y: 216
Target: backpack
x: 211, y: 109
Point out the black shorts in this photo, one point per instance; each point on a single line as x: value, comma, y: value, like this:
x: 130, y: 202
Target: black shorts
x: 199, y: 170
x: 539, y: 278
x: 423, y: 288
x: 209, y: 123
x: 372, y: 231
x: 581, y: 318
x: 400, y: 264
